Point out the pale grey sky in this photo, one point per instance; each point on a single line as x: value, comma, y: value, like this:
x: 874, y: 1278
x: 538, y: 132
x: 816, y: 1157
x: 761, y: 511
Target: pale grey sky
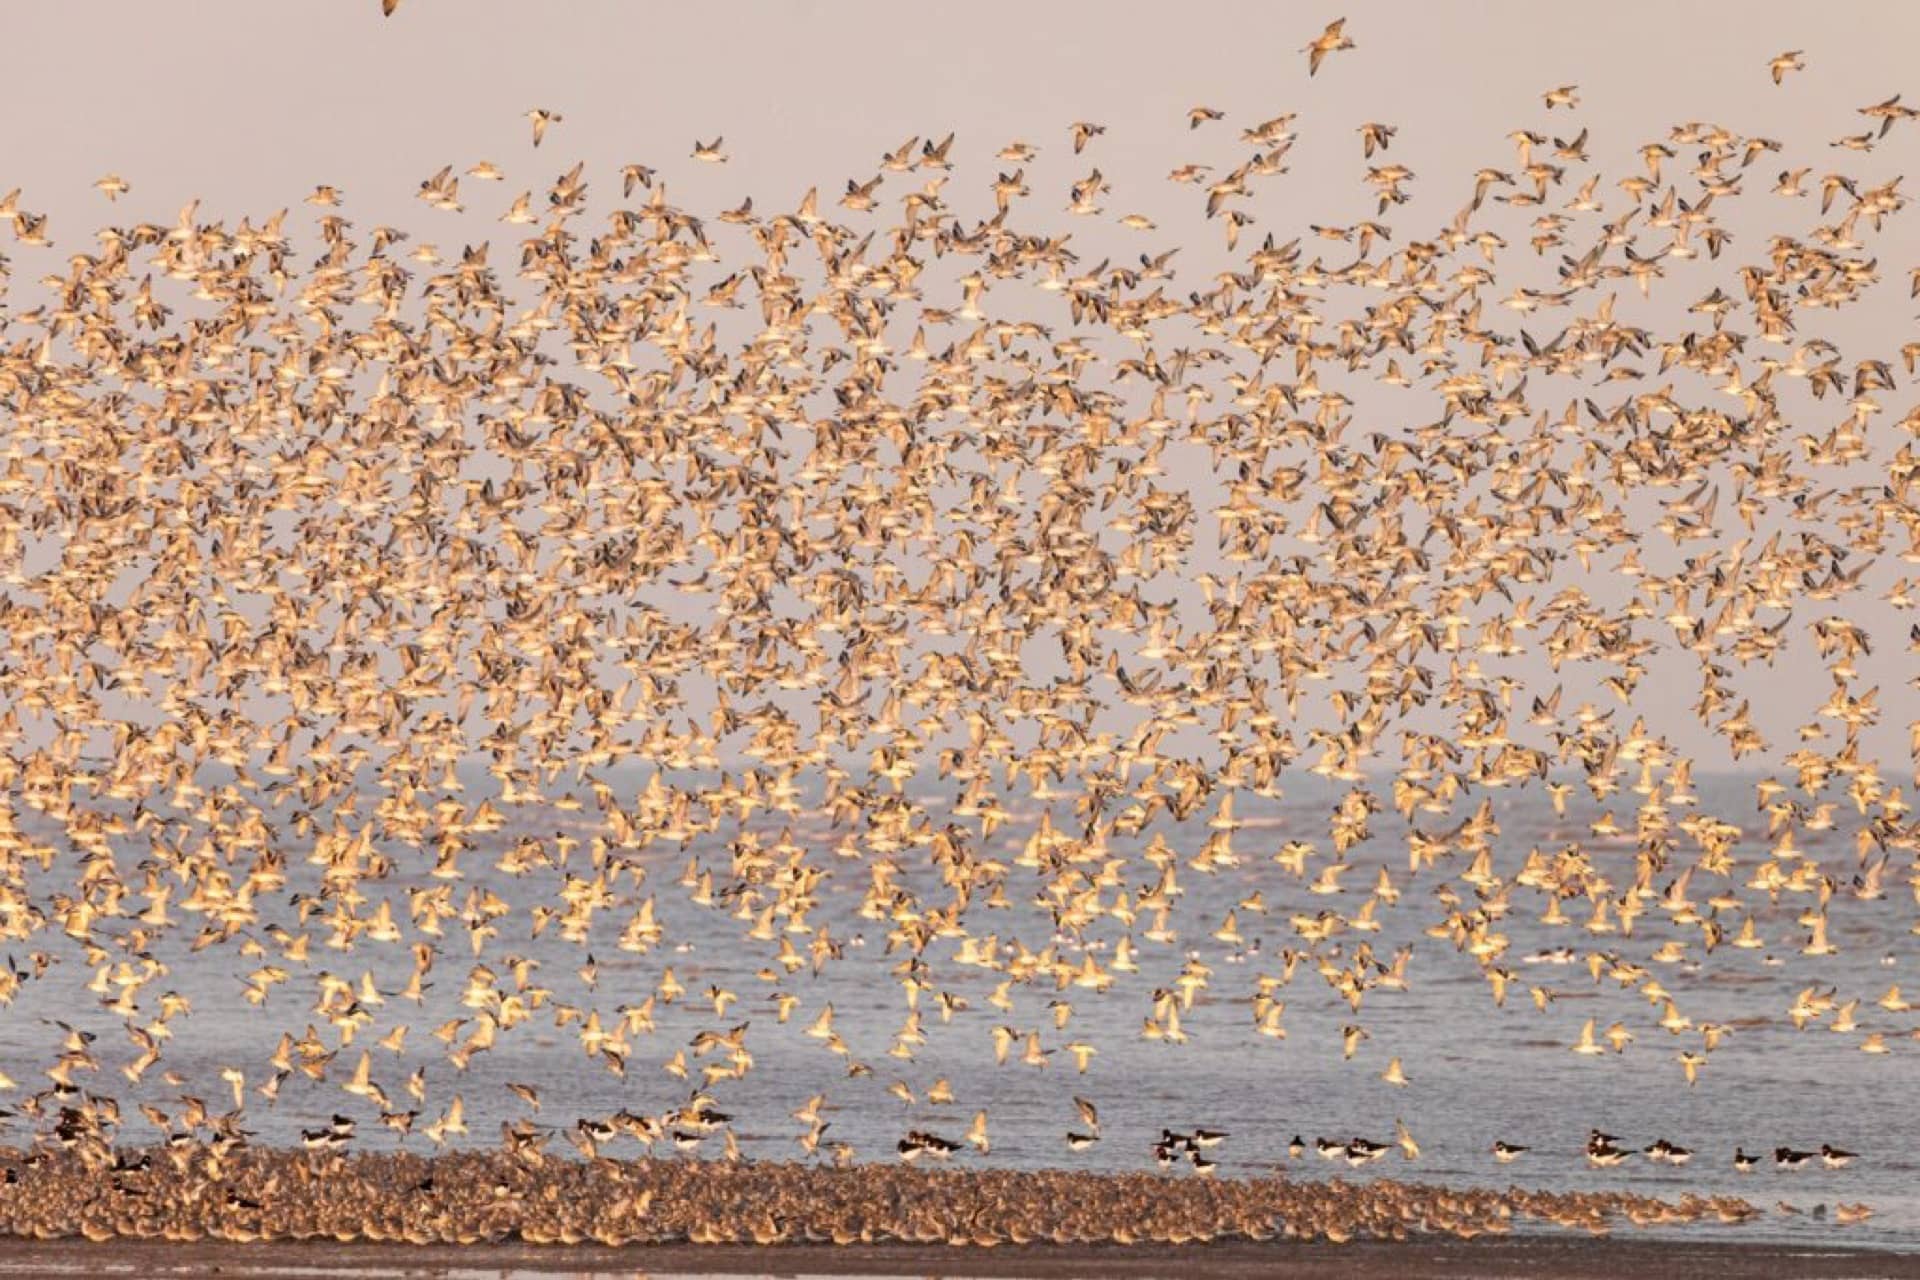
x: 243, y: 103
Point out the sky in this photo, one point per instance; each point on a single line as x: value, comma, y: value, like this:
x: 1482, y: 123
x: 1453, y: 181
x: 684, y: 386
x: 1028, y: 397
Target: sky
x: 244, y: 103
x: 246, y: 106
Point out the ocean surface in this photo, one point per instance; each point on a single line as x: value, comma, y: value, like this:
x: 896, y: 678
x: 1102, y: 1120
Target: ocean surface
x: 1476, y: 1072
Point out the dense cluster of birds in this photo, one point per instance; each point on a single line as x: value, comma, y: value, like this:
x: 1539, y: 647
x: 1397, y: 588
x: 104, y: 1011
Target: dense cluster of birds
x: 253, y: 1194
x: 901, y: 549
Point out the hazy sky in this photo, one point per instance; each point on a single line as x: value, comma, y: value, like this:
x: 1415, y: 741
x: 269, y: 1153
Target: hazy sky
x: 248, y: 105
x: 243, y: 103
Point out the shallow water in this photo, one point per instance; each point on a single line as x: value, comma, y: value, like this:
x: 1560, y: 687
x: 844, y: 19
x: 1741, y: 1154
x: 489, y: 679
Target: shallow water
x: 1477, y: 1072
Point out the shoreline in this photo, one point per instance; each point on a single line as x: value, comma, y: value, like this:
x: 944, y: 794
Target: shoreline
x: 1564, y: 1256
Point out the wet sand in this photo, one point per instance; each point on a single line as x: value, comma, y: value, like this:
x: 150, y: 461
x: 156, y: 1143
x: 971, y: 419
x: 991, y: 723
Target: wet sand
x: 1564, y: 1257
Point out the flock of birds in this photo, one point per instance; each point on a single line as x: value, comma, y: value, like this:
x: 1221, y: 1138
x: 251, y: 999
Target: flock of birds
x: 1008, y: 570
x: 487, y: 1197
